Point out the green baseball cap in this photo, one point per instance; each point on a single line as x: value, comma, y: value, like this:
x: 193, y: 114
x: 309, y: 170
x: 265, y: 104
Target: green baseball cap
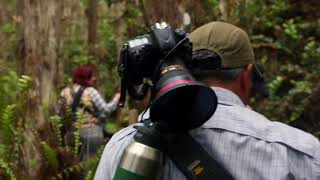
x: 230, y: 42
x: 233, y: 46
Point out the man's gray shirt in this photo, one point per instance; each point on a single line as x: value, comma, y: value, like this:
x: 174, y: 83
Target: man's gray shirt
x: 246, y: 143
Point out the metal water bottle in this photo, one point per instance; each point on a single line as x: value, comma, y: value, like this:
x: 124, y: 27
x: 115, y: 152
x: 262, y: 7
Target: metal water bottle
x: 141, y: 158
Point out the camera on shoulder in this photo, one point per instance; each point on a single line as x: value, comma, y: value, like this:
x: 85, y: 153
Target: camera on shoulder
x: 158, y: 61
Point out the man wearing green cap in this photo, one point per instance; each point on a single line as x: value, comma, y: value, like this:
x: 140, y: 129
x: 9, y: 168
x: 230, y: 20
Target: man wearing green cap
x: 245, y: 143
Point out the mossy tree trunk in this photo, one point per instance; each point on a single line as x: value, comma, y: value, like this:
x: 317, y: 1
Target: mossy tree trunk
x: 39, y: 59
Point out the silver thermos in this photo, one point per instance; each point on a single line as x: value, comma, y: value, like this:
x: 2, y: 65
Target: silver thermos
x: 140, y: 160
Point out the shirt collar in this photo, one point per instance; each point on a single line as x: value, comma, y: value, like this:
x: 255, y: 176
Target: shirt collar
x: 227, y: 97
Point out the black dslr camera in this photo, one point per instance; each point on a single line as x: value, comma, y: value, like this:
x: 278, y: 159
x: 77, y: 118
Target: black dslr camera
x: 159, y: 59
x: 143, y: 56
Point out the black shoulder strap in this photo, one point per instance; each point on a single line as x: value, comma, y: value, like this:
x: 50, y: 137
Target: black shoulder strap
x: 76, y: 100
x: 189, y: 156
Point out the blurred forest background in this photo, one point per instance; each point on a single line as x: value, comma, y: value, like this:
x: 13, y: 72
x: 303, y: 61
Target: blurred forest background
x: 41, y: 41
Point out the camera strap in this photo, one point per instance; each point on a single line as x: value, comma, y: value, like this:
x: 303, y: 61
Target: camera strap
x: 194, y: 161
x: 190, y: 157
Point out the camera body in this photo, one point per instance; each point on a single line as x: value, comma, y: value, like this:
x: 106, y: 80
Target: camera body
x: 144, y: 56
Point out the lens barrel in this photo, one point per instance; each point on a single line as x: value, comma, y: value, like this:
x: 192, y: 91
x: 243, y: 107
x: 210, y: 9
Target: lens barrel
x: 181, y: 103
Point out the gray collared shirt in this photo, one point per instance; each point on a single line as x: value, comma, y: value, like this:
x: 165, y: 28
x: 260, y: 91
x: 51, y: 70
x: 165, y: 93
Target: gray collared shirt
x: 247, y: 144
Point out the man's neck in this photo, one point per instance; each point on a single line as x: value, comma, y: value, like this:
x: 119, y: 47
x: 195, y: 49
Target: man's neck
x: 231, y: 86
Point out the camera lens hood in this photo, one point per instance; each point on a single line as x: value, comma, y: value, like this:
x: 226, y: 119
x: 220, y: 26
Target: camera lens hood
x: 182, y: 103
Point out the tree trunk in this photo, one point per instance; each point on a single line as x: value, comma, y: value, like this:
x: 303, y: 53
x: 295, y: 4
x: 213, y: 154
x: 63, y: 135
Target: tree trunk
x: 117, y: 11
x: 169, y: 11
x: 40, y: 32
x: 92, y: 16
x: 228, y: 10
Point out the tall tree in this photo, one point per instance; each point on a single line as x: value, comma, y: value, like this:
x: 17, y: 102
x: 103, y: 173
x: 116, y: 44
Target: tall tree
x: 39, y: 59
x: 92, y: 16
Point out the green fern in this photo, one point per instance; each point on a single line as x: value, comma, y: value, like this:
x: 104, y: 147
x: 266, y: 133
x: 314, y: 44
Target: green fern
x: 18, y: 141
x: 88, y: 164
x: 89, y: 175
x: 57, y: 125
x: 6, y: 128
x: 12, y: 85
x: 77, y: 142
x: 12, y: 89
x: 50, y: 155
x: 5, y: 166
x: 24, y: 83
x: 77, y: 168
x: 7, y: 116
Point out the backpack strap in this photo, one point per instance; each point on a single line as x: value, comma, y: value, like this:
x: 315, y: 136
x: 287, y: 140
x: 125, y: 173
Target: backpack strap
x: 194, y: 161
x: 76, y: 101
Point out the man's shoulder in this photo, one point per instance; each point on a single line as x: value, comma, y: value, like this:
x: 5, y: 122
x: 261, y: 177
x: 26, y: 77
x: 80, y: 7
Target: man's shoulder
x: 124, y: 134
x: 244, y: 121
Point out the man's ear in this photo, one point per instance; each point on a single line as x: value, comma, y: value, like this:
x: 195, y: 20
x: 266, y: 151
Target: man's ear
x: 246, y: 81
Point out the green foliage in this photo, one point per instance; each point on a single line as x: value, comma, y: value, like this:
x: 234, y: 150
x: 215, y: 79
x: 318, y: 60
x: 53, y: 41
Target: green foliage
x: 77, y: 53
x: 12, y: 87
x: 9, y: 88
x: 287, y: 43
x: 89, y: 175
x: 57, y: 125
x: 108, y: 39
x: 84, y: 3
x: 112, y: 127
x: 109, y: 67
x: 275, y: 85
x: 50, y: 155
x: 132, y: 12
x: 8, y: 28
x: 292, y: 29
x: 311, y: 56
x: 6, y: 167
x: 211, y: 8
x: 300, y: 87
x: 89, y: 166
x: 213, y: 3
x: 134, y: 23
x: 76, y: 50
x: 264, y: 13
x: 11, y: 128
x: 80, y: 119
x: 18, y: 140
x: 6, y: 129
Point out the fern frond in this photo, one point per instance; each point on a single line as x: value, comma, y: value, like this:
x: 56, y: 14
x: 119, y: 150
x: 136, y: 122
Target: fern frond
x: 77, y: 168
x: 89, y: 175
x: 9, y: 86
x: 50, y: 155
x: 78, y: 123
x: 17, y: 143
x: 6, y: 122
x: 24, y: 83
x: 80, y: 167
x: 7, y: 169
x: 57, y: 125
